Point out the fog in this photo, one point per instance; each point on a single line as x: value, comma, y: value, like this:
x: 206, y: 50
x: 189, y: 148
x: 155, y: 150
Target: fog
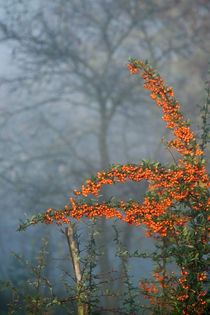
x: 69, y: 108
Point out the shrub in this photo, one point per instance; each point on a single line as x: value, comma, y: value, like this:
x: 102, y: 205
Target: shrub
x: 174, y: 210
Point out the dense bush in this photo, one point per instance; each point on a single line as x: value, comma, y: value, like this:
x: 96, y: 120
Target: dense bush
x: 174, y: 212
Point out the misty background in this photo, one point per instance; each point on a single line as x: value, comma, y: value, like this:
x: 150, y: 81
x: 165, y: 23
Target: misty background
x: 70, y: 108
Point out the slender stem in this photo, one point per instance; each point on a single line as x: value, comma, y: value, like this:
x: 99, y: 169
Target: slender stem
x: 74, y: 253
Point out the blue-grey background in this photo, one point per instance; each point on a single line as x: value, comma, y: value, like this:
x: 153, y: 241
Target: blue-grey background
x: 70, y: 108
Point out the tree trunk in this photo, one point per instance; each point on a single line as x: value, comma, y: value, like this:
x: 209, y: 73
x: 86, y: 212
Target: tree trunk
x: 80, y: 288
x: 106, y: 265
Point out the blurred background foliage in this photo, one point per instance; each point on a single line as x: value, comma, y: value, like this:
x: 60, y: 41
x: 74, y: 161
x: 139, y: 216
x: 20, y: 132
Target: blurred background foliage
x: 70, y: 108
